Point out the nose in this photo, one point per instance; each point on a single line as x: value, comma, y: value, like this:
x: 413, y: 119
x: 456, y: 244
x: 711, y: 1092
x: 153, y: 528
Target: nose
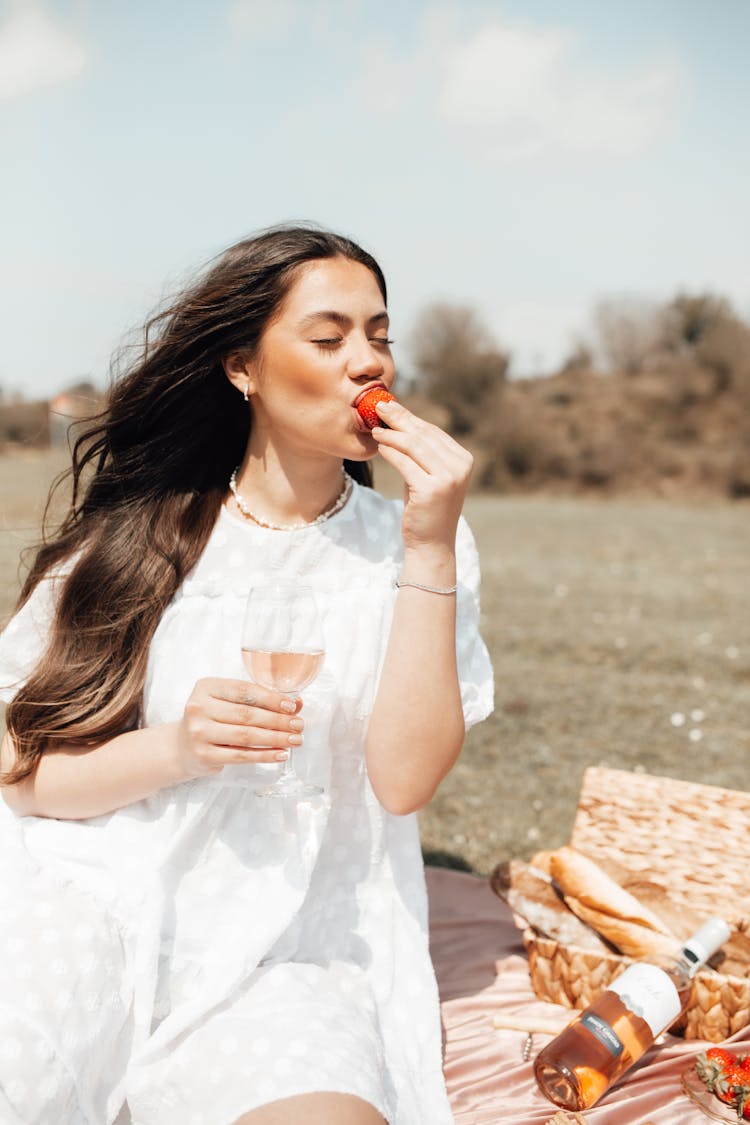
x: 365, y: 361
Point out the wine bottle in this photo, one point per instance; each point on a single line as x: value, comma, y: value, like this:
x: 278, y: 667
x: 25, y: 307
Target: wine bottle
x: 600, y: 1044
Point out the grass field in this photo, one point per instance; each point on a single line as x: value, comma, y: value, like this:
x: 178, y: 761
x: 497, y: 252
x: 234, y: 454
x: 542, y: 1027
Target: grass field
x: 608, y: 622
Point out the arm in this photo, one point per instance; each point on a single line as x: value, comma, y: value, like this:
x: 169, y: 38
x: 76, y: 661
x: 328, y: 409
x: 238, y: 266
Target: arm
x: 417, y: 728
x: 225, y: 722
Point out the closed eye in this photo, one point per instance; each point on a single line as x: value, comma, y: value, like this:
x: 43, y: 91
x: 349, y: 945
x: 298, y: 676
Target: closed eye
x: 331, y: 342
x: 328, y: 343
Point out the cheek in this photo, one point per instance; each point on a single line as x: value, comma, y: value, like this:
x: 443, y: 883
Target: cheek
x: 295, y: 377
x: 311, y: 384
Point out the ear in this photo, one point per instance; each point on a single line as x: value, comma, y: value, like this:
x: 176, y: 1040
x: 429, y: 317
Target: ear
x: 239, y: 372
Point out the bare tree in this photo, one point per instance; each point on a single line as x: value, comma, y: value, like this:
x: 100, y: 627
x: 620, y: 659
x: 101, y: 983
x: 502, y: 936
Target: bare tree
x: 629, y: 331
x: 579, y: 359
x: 724, y: 349
x: 688, y: 318
x: 457, y: 362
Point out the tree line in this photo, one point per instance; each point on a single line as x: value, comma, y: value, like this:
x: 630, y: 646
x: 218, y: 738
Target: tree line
x: 657, y: 399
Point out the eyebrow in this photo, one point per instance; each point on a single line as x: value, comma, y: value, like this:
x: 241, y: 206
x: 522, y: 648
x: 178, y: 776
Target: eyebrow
x: 338, y: 318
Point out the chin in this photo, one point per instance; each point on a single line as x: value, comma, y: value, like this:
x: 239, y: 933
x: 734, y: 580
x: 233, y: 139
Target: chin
x: 367, y: 450
x: 356, y: 446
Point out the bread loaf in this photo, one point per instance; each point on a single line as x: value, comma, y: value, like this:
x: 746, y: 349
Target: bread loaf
x: 530, y: 893
x: 613, y: 912
x: 566, y: 896
x: 733, y: 959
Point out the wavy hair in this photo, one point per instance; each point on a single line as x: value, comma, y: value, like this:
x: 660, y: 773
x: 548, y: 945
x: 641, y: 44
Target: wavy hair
x: 148, y: 478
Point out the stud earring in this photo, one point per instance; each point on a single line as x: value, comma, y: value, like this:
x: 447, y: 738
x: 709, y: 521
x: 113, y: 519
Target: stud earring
x: 246, y: 392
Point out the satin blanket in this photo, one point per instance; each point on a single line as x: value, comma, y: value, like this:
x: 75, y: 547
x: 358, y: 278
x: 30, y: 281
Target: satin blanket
x: 483, y: 976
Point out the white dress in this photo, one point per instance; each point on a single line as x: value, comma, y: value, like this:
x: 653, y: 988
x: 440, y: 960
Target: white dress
x: 203, y: 952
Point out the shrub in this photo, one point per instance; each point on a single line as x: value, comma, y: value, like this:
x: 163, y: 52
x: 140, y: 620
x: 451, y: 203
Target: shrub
x: 24, y: 423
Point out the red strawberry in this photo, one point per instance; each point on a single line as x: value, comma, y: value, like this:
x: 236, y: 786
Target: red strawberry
x: 732, y: 1085
x: 722, y: 1056
x: 745, y: 1064
x: 711, y: 1064
x: 366, y: 406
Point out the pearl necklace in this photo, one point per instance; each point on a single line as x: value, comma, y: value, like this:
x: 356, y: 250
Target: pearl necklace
x: 341, y: 499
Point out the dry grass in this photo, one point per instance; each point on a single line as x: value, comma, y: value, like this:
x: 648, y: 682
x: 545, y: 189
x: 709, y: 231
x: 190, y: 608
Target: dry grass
x: 604, y: 619
x: 25, y: 477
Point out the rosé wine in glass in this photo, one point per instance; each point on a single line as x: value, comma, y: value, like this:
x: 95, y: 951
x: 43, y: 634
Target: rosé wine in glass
x: 282, y: 649
x: 284, y: 671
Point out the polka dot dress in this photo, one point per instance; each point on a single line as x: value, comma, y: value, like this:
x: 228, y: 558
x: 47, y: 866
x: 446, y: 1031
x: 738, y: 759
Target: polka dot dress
x: 204, y: 952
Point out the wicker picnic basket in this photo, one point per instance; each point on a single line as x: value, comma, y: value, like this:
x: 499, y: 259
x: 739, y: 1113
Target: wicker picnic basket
x: 695, y: 840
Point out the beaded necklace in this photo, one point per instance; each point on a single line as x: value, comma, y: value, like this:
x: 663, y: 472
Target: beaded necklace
x: 341, y: 499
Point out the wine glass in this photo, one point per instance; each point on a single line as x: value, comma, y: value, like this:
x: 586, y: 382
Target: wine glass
x: 282, y: 649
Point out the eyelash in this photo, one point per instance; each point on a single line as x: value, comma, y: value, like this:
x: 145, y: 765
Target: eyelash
x: 329, y: 345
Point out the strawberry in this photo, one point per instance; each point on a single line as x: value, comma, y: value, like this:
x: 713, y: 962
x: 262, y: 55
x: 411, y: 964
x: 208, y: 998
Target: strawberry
x: 711, y: 1064
x: 732, y: 1085
x: 722, y: 1056
x: 745, y: 1064
x: 366, y: 406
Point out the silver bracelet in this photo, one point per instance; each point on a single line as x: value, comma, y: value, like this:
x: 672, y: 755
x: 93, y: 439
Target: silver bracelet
x: 430, y: 589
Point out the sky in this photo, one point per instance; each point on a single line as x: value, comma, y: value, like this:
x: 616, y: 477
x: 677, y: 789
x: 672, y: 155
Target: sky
x: 525, y: 157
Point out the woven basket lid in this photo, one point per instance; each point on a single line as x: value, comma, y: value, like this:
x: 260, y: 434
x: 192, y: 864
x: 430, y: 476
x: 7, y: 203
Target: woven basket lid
x: 693, y: 839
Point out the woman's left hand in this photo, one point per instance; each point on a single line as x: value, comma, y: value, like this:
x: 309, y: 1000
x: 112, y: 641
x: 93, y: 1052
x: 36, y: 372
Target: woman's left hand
x: 436, y: 472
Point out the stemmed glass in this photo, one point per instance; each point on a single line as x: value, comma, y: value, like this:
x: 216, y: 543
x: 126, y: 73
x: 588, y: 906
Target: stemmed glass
x: 282, y: 649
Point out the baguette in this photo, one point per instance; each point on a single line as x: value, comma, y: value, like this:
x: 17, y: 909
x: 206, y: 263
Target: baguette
x: 530, y: 893
x: 613, y: 912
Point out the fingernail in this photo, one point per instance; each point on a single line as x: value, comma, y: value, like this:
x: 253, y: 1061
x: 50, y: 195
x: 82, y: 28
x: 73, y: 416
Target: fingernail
x: 295, y: 739
x: 282, y: 757
x: 289, y: 706
x: 296, y: 724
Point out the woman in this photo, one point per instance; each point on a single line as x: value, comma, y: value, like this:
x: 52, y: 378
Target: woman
x: 178, y: 950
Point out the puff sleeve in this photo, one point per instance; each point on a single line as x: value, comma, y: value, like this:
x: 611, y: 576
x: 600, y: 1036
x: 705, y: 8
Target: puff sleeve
x: 474, y: 666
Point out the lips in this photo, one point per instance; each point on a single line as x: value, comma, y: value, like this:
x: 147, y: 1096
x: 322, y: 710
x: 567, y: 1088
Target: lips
x: 359, y: 423
x: 367, y: 406
x: 366, y: 390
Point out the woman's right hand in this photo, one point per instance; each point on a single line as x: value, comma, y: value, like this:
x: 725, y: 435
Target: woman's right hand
x: 227, y: 722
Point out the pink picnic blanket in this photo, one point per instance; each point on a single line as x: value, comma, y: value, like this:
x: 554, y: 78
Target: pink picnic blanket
x: 482, y: 973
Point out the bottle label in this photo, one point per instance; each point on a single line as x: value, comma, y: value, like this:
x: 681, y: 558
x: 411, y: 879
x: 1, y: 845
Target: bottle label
x: 603, y: 1032
x: 649, y: 992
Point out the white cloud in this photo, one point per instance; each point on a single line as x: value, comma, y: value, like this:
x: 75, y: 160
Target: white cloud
x: 35, y: 52
x: 521, y: 91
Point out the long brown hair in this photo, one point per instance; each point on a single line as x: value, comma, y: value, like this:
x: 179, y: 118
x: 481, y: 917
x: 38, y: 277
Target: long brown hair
x: 148, y: 479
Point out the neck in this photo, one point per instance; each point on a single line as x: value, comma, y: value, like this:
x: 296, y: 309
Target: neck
x: 288, y: 490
